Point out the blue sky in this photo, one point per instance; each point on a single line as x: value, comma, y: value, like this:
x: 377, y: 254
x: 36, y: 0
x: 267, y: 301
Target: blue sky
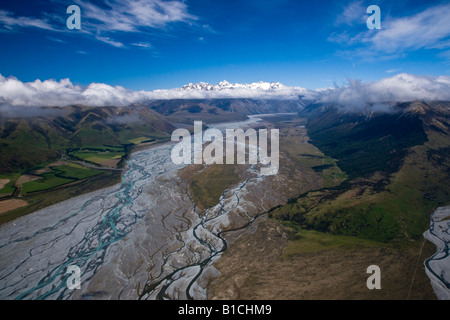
x: 156, y: 44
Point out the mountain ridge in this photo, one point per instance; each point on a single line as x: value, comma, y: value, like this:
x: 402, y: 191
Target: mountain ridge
x: 223, y: 85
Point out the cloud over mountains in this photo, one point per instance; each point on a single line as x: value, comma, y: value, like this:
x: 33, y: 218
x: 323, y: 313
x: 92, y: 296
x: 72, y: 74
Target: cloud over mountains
x: 356, y: 94
x: 402, y: 87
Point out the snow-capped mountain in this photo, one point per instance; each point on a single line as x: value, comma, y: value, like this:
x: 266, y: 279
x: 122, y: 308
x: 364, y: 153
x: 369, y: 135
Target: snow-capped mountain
x: 225, y: 85
x: 224, y: 90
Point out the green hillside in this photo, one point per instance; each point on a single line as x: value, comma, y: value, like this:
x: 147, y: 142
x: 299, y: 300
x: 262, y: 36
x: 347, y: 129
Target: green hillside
x: 398, y: 173
x: 30, y: 143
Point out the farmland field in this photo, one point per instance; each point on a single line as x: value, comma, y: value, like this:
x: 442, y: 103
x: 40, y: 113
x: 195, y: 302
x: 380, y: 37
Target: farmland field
x: 7, y: 187
x: 59, y: 176
x: 101, y: 158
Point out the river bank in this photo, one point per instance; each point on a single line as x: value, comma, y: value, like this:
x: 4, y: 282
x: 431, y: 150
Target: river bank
x: 437, y: 266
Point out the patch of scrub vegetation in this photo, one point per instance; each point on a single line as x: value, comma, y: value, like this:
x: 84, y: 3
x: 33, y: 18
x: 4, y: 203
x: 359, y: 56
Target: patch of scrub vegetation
x: 311, y: 241
x: 332, y: 211
x: 208, y: 184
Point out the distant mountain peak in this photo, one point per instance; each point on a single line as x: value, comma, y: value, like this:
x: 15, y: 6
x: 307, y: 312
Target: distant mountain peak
x: 224, y: 83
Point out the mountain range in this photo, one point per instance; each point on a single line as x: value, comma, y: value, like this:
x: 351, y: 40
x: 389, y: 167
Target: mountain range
x: 224, y: 85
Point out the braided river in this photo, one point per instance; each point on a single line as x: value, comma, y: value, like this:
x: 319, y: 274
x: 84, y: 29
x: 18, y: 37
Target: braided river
x: 141, y: 239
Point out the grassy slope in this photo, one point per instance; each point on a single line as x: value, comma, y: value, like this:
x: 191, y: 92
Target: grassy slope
x: 27, y: 144
x: 366, y: 145
x: 23, y: 149
x: 380, y: 207
x: 311, y: 241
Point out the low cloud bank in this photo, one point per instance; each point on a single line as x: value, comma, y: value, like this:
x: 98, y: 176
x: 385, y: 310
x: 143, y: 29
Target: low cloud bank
x: 354, y: 95
x: 62, y: 93
x: 399, y: 88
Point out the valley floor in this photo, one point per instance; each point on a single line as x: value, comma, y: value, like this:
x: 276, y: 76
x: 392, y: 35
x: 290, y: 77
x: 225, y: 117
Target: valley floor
x: 255, y: 267
x: 159, y: 235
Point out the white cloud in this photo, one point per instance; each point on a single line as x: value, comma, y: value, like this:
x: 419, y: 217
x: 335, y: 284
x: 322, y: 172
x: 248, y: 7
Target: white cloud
x: 355, y: 95
x: 142, y: 45
x: 393, y: 70
x: 63, y: 92
x: 109, y: 17
x: 108, y: 40
x: 428, y: 29
x: 10, y: 22
x: 423, y: 30
x: 353, y: 13
x: 133, y: 15
x: 399, y: 88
